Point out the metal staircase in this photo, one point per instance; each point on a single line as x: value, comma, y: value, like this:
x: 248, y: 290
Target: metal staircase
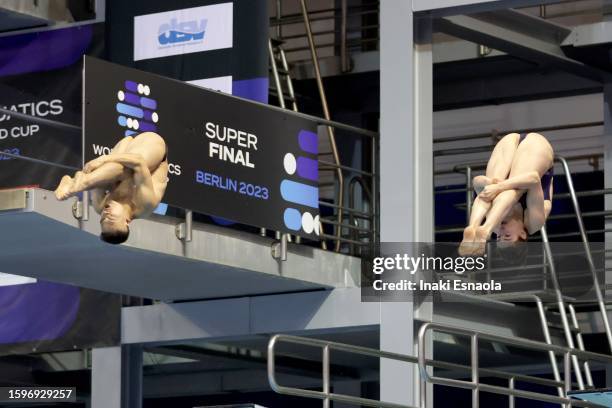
x: 281, y: 77
x: 557, y: 311
x: 347, y: 226
x: 455, y: 372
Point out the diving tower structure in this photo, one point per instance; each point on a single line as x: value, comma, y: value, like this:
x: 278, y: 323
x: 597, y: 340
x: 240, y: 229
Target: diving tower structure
x: 46, y: 241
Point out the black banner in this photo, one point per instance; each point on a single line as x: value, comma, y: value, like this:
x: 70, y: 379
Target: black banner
x: 46, y: 317
x: 228, y: 157
x: 41, y: 76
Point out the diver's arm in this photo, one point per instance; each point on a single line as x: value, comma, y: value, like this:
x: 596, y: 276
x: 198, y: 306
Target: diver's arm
x: 97, y: 199
x: 536, y: 212
x: 521, y: 182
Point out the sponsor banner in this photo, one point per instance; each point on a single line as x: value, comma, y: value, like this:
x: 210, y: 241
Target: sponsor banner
x: 42, y: 78
x: 41, y: 75
x: 183, y: 31
x: 245, y: 59
x: 229, y: 158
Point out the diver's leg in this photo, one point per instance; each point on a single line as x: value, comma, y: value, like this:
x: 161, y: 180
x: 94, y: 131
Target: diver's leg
x: 498, y: 168
x: 70, y: 186
x: 107, y: 174
x: 502, y: 204
x: 151, y: 147
x: 499, y: 208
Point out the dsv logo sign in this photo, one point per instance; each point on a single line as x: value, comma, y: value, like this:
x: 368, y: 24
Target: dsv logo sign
x: 178, y: 33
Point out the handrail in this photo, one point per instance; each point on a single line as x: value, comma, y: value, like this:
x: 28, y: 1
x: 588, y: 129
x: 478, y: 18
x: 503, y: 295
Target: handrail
x: 326, y: 114
x: 352, y: 219
x: 505, y: 132
x: 339, y: 18
x: 482, y: 164
x: 421, y: 361
x: 551, y: 265
x: 42, y: 121
x: 37, y: 161
x: 327, y: 346
x: 561, y: 305
x: 344, y: 62
x: 476, y: 386
x: 299, y: 18
x: 585, y: 242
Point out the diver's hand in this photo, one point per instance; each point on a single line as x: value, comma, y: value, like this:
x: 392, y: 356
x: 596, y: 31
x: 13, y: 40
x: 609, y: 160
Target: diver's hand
x: 95, y: 164
x: 489, y: 193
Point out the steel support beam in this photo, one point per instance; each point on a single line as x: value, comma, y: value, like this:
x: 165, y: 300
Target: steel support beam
x: 521, y: 35
x: 452, y: 7
x: 106, y: 377
x: 116, y: 377
x: 423, y: 191
x: 399, y: 161
x: 590, y: 34
x: 226, y: 318
x: 607, y: 133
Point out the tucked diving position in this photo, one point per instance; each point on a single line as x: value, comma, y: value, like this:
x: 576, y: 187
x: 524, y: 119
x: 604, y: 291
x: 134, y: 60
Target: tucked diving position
x: 514, y: 196
x: 126, y: 184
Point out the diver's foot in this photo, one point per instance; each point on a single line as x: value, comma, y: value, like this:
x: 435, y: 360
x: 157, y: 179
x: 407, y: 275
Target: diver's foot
x: 78, y: 184
x: 467, y: 244
x: 480, y: 241
x: 62, y: 192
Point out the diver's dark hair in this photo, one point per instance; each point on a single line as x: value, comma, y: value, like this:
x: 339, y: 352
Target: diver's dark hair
x: 115, y: 237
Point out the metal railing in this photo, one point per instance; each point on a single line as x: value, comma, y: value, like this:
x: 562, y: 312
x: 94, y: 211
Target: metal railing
x: 346, y: 231
x: 340, y: 20
x: 476, y: 371
x: 477, y: 386
x: 326, y: 114
x: 582, y: 232
x: 494, y: 135
x: 326, y: 395
x: 563, y: 309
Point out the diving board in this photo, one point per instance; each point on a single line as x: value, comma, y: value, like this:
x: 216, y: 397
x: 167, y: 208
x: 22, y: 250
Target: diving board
x: 40, y: 238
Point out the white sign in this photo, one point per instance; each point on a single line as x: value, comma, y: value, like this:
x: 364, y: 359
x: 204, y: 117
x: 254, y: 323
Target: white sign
x: 7, y: 279
x: 223, y: 84
x: 183, y: 31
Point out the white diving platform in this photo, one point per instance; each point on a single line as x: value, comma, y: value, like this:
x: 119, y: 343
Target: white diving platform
x: 40, y: 238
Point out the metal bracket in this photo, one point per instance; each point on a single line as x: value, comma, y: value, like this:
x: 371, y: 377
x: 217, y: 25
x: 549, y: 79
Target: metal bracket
x: 279, y: 248
x: 80, y: 208
x: 184, y: 230
x: 77, y: 209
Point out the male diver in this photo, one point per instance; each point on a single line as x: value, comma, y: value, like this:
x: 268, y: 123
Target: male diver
x: 515, y: 196
x: 126, y: 184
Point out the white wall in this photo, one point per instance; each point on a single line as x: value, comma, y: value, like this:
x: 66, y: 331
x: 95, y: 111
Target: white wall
x: 523, y: 115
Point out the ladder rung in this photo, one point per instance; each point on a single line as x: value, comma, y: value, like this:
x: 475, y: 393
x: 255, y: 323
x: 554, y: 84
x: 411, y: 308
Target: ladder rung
x: 560, y: 327
x: 281, y: 72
